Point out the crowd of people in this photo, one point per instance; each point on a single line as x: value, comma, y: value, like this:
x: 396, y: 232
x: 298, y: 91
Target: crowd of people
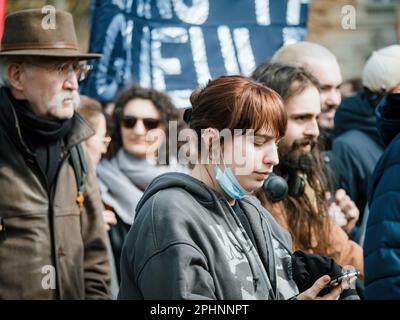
x: 291, y: 183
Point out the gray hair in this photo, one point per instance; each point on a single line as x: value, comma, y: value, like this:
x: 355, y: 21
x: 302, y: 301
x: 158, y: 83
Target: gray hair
x: 4, y: 64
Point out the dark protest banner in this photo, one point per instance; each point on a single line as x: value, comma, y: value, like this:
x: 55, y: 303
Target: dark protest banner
x: 178, y: 45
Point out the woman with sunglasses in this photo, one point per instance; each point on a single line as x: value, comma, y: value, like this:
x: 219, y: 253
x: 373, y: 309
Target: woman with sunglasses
x: 132, y: 161
x: 203, y: 236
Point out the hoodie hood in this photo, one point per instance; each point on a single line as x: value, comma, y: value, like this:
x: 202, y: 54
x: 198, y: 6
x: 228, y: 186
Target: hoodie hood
x: 355, y: 113
x: 206, y: 196
x: 196, y: 188
x: 388, y: 127
x: 218, y: 232
x: 388, y: 124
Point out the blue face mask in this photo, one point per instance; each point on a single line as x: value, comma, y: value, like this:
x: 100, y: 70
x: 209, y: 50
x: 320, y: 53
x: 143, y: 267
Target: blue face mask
x: 228, y: 182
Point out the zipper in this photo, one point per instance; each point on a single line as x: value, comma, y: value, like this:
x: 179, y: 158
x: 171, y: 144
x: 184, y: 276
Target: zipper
x: 271, y: 257
x: 53, y: 225
x: 3, y: 234
x: 51, y: 194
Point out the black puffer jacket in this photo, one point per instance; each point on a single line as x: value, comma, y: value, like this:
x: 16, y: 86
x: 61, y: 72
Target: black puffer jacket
x: 357, y: 145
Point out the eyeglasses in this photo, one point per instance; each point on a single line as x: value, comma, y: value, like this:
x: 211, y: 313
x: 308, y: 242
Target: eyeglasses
x: 81, y: 70
x: 129, y: 122
x: 84, y: 71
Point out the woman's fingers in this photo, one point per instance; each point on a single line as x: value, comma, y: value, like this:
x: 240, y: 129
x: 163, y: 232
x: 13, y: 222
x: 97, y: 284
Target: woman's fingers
x: 312, y: 292
x: 339, y: 195
x: 109, y: 219
x: 334, y: 294
x: 337, y: 215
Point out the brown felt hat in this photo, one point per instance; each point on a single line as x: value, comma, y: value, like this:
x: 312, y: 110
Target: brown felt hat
x: 26, y: 33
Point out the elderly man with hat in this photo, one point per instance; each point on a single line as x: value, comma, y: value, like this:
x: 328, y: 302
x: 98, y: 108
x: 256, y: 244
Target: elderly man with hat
x: 52, y: 235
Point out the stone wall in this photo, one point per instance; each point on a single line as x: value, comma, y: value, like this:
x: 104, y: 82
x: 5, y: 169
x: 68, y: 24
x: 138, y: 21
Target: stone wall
x: 376, y: 27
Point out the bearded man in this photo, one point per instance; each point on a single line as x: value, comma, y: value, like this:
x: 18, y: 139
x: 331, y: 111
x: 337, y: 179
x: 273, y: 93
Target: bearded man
x: 304, y: 212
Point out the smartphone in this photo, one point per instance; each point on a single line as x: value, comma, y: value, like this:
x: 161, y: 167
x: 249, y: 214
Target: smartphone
x: 338, y: 280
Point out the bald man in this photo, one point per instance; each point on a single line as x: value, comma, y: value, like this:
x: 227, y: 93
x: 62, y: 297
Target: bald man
x: 322, y: 64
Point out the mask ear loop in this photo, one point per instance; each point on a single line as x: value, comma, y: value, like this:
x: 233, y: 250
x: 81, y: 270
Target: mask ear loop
x: 223, y: 162
x: 215, y: 143
x: 211, y: 152
x: 221, y: 157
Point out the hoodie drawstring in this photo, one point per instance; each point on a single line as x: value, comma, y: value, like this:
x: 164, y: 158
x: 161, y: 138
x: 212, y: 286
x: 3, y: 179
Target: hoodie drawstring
x: 253, y: 269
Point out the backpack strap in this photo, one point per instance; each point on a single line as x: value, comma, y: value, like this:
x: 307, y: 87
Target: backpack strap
x: 80, y: 167
x: 3, y: 235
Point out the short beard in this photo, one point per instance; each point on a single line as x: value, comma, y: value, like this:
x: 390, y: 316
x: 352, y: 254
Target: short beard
x: 291, y: 160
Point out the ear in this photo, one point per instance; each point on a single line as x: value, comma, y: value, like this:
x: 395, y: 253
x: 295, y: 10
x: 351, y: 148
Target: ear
x: 15, y: 75
x: 211, y: 139
x: 209, y: 136
x: 396, y: 89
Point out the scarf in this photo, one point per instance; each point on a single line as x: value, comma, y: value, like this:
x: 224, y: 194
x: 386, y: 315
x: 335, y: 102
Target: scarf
x: 124, y: 178
x: 42, y: 136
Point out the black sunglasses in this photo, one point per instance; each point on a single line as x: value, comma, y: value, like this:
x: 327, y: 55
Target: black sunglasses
x: 129, y: 122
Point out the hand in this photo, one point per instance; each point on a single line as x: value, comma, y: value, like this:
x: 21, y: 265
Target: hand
x: 334, y: 294
x: 337, y: 215
x: 349, y: 209
x: 396, y: 89
x: 312, y: 293
x: 109, y: 219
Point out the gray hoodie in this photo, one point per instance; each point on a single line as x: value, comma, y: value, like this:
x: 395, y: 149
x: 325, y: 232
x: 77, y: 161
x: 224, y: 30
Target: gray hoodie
x: 187, y: 243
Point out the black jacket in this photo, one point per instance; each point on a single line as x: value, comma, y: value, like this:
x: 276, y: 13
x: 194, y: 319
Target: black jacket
x: 357, y: 145
x: 382, y: 239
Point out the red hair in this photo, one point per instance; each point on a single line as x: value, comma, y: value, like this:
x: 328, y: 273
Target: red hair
x: 238, y: 102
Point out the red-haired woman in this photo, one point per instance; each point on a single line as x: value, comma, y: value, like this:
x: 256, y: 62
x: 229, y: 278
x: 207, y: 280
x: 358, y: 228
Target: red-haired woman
x: 203, y: 236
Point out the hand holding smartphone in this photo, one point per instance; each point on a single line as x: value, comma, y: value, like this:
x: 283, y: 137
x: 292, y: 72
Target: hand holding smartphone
x: 343, y: 277
x: 346, y: 275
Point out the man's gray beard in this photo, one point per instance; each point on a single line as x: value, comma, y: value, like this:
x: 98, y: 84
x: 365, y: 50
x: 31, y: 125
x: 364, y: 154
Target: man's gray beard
x: 57, y: 100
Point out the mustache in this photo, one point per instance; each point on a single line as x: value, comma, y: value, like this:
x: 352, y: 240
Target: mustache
x: 328, y: 107
x: 58, y: 99
x: 309, y: 140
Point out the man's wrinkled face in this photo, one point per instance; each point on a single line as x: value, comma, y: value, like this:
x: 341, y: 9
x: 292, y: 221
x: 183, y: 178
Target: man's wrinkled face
x: 51, y: 87
x: 329, y: 77
x: 302, y: 130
